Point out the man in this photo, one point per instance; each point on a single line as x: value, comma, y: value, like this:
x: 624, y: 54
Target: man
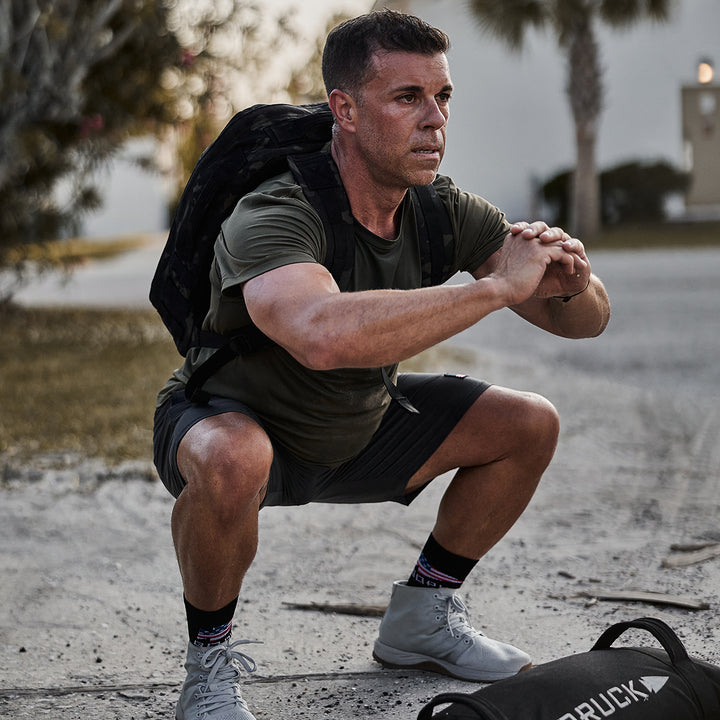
x: 310, y: 419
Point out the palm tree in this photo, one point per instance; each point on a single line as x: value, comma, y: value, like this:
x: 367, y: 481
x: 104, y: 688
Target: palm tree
x: 573, y: 22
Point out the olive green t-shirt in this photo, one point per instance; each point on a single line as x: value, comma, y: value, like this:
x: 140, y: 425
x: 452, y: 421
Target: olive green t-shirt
x: 323, y: 417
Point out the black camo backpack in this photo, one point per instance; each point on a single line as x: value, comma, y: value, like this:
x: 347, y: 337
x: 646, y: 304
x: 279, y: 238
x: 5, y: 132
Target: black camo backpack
x: 257, y: 144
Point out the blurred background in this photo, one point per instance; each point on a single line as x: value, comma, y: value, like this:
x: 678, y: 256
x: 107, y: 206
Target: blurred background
x: 106, y: 105
x: 600, y: 115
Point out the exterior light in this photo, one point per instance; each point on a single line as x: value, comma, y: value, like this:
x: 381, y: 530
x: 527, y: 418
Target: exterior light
x: 705, y: 72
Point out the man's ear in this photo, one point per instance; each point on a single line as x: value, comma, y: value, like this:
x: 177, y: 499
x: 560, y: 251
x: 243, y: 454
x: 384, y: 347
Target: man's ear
x: 344, y: 109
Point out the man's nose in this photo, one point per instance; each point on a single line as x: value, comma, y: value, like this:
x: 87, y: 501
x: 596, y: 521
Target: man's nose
x: 434, y: 115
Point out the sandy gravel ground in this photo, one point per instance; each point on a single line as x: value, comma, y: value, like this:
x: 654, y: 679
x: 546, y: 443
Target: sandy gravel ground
x: 91, y: 617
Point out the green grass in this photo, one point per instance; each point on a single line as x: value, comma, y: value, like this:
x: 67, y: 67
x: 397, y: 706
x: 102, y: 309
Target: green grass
x: 81, y: 381
x: 650, y: 236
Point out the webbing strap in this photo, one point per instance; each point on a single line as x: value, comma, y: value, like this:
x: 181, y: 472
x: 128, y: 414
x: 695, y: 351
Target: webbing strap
x: 396, y: 395
x: 319, y: 178
x: 474, y: 701
x: 250, y: 339
x: 435, y: 235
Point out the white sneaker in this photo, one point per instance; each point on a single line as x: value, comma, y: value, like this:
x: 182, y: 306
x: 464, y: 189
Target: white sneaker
x: 429, y: 629
x: 211, y: 690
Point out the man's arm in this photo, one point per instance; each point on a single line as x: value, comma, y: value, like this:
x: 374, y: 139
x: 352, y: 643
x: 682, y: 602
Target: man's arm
x: 587, y: 311
x: 300, y: 307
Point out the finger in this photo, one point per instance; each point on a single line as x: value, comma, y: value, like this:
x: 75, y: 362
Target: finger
x: 529, y: 230
x: 518, y: 227
x: 575, y: 246
x: 577, y: 265
x: 535, y: 229
x: 554, y: 234
x: 571, y: 243
x: 556, y: 253
x: 568, y: 263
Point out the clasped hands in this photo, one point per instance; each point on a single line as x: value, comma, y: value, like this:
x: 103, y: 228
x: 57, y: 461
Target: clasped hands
x: 570, y: 273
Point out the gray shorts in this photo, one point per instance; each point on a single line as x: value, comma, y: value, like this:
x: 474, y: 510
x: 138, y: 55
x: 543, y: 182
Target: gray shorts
x: 380, y: 472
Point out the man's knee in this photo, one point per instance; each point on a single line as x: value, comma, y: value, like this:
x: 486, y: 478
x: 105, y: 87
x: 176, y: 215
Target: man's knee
x: 543, y: 415
x: 522, y: 424
x: 539, y: 424
x: 226, y: 460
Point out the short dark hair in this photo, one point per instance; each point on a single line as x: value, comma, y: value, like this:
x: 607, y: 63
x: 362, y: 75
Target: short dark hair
x: 350, y: 46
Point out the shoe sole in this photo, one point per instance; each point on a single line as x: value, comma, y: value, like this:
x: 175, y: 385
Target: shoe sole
x: 400, y: 660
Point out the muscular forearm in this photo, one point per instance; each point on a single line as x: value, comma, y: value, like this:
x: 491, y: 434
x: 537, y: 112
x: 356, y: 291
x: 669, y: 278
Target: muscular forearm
x: 381, y: 327
x: 300, y: 308
x: 583, y: 316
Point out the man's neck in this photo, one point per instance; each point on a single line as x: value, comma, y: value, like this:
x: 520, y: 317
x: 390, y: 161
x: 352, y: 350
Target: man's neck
x: 376, y: 208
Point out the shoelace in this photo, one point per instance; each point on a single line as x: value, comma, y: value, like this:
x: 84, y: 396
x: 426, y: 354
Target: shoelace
x: 458, y: 618
x: 221, y: 690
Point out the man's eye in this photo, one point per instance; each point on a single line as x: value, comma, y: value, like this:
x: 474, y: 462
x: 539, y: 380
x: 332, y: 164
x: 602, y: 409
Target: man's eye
x: 443, y: 97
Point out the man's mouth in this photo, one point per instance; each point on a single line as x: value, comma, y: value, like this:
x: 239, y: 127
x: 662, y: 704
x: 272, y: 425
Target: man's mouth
x: 427, y: 151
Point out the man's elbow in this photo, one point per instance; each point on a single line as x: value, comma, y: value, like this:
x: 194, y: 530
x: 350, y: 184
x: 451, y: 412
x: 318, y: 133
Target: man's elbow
x: 604, y: 317
x: 596, y: 328
x: 319, y: 353
x: 597, y: 316
x: 603, y: 324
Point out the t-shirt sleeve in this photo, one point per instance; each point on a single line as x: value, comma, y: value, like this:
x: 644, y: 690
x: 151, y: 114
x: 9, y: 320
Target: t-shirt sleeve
x: 267, y: 230
x: 480, y: 227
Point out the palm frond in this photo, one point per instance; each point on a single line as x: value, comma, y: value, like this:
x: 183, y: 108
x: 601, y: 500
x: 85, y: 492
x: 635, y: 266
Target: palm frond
x: 509, y: 20
x: 621, y: 13
x: 660, y: 10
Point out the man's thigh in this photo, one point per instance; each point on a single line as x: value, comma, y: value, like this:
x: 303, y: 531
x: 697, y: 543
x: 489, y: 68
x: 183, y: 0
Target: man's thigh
x: 402, y: 445
x: 405, y: 441
x: 503, y: 423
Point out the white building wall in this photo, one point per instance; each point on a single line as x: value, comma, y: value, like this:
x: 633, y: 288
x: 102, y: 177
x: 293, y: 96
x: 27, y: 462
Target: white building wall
x: 134, y: 199
x: 510, y: 118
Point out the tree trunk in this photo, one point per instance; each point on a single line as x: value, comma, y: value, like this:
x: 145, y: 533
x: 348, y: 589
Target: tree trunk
x: 585, y: 93
x: 585, y: 200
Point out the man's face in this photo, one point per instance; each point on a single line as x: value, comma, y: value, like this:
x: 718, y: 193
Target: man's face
x: 402, y: 113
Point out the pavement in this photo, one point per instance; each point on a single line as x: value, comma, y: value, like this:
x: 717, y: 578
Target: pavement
x: 123, y: 281
x: 91, y: 616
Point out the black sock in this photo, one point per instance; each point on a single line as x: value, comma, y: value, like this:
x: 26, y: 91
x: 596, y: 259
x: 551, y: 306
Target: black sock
x: 438, y: 567
x: 209, y: 628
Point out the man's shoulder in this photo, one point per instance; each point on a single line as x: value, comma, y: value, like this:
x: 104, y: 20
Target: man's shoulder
x: 279, y: 195
x: 282, y: 185
x: 480, y: 227
x: 273, y: 215
x: 464, y: 205
x: 450, y: 192
x: 443, y: 182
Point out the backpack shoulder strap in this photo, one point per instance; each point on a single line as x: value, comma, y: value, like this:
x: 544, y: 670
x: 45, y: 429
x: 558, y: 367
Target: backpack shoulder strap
x: 319, y: 179
x: 246, y: 340
x: 435, y: 235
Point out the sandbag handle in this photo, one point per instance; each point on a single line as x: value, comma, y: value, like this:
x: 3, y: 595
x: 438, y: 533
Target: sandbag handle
x: 484, y: 712
x: 662, y: 632
x: 696, y: 679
